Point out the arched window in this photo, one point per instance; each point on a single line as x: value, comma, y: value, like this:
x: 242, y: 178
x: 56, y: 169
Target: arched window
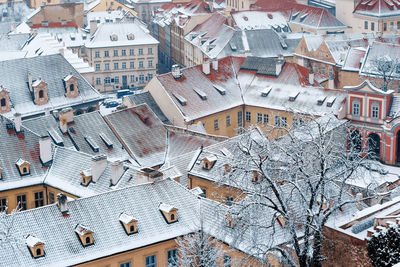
x: 24, y: 170
x: 72, y: 87
x: 172, y: 217
x: 3, y: 102
x: 38, y: 251
x: 87, y: 240
x: 374, y: 146
x: 132, y: 228
x: 41, y: 94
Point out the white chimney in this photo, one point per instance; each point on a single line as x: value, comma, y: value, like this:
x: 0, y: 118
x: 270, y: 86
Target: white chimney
x: 278, y: 67
x: 206, y: 68
x: 215, y: 64
x: 93, y: 27
x: 117, y: 169
x: 311, y: 77
x: 176, y: 72
x: 99, y: 164
x: 47, y: 111
x: 45, y: 149
x: 30, y: 81
x: 17, y: 122
x: 66, y: 114
x: 331, y: 82
x: 62, y: 203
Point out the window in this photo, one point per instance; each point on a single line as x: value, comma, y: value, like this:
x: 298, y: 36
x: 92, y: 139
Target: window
x: 330, y: 72
x: 72, y: 87
x: 295, y: 123
x: 141, y: 78
x: 123, y: 65
x: 151, y: 261
x: 248, y: 116
x: 140, y: 51
x: 97, y: 54
x: 51, y: 198
x: 259, y: 118
x: 203, y: 192
x: 41, y: 94
x: 116, y: 79
x: 356, y: 108
x: 277, y: 121
x: 149, y: 50
x: 97, y: 67
x: 115, y: 53
x: 398, y: 25
x: 106, y: 54
x: 365, y: 25
x: 131, y: 65
x: 372, y: 26
x: 140, y: 64
x: 150, y: 76
x: 115, y: 65
x: 21, y: 200
x: 98, y: 81
x: 107, y: 66
x: 229, y: 200
x: 385, y: 26
x: 39, y: 200
x: 227, y: 261
x: 228, y: 120
x: 3, y: 102
x: 375, y: 110
x: 322, y: 70
x: 150, y: 63
x: 172, y: 257
x: 316, y: 68
x: 123, y: 52
x: 131, y: 52
x: 301, y: 122
x: 3, y: 204
x: 132, y: 78
x: 107, y: 81
x: 284, y: 121
x: 240, y: 118
x: 216, y: 127
x: 266, y: 118
x: 126, y: 264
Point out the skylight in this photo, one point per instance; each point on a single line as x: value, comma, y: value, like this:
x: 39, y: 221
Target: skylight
x: 202, y: 95
x: 181, y: 99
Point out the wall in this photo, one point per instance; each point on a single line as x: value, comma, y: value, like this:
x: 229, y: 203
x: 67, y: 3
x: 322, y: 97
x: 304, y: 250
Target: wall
x: 106, y: 5
x: 57, y: 13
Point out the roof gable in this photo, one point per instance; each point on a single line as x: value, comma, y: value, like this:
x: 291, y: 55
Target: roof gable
x: 367, y: 87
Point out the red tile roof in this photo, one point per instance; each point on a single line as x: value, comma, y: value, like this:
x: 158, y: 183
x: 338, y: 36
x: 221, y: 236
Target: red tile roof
x: 56, y: 25
x: 378, y: 8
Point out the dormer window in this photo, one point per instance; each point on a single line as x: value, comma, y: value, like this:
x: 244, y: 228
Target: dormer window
x: 208, y: 162
x: 227, y: 169
x: 230, y: 220
x: 86, y: 177
x: 129, y: 223
x: 85, y: 235
x: 257, y: 177
x: 130, y: 36
x: 114, y: 37
x: 23, y: 167
x: 71, y: 86
x: 39, y: 92
x: 3, y: 102
x: 35, y: 245
x: 5, y: 105
x: 169, y: 212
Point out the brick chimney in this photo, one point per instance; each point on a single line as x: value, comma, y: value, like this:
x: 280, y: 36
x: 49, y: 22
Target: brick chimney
x: 45, y: 149
x: 117, y: 169
x: 206, y: 68
x: 17, y: 122
x: 99, y: 164
x: 62, y: 203
x: 215, y: 64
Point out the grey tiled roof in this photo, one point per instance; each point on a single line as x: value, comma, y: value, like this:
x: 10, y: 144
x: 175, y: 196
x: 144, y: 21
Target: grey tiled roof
x: 51, y: 69
x: 146, y: 97
x: 24, y: 146
x: 13, y: 41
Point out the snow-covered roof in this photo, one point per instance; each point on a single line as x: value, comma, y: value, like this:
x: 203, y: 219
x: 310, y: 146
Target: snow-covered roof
x: 166, y: 207
x: 251, y: 20
x: 82, y: 229
x: 126, y: 219
x: 32, y: 241
x: 378, y: 8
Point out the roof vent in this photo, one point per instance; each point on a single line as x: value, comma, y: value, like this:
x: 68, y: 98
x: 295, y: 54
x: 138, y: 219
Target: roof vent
x: 265, y: 92
x: 330, y: 101
x: 129, y: 223
x: 220, y: 89
x: 92, y: 143
x: 293, y: 95
x: 176, y: 72
x: 202, y: 95
x: 321, y: 100
x: 180, y: 99
x: 303, y: 17
x: 106, y: 140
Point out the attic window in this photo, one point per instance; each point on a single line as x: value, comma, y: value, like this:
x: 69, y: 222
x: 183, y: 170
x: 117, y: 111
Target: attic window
x: 208, y: 162
x: 35, y: 245
x: 85, y: 235
x: 233, y: 46
x: 114, y: 37
x: 321, y: 100
x: 220, y: 89
x: 295, y: 15
x: 303, y: 17
x: 169, y: 212
x: 106, y: 140
x: 330, y: 101
x: 129, y: 223
x: 92, y: 143
x: 23, y: 167
x: 86, y: 177
x: 265, y: 92
x: 130, y: 36
x: 180, y: 99
x: 202, y: 95
x: 293, y: 95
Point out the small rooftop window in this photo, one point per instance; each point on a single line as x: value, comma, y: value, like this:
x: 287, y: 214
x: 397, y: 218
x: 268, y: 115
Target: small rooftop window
x: 129, y: 223
x: 202, y: 95
x: 114, y: 37
x: 169, y: 212
x: 209, y: 161
x: 181, y: 99
x: 86, y: 177
x: 293, y: 95
x: 321, y: 100
x: 23, y: 167
x: 330, y: 101
x: 220, y: 89
x: 106, y: 140
x: 92, y: 143
x: 265, y: 92
x: 35, y: 245
x: 85, y: 235
x: 130, y: 36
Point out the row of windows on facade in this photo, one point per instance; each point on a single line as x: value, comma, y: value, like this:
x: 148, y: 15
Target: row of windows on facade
x: 123, y: 65
x: 124, y: 52
x: 322, y: 69
x: 172, y: 259
x: 22, y: 201
x: 261, y: 119
x: 356, y: 111
x: 385, y: 25
x: 132, y: 79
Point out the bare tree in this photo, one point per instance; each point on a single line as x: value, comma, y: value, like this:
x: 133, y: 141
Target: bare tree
x: 9, y: 236
x: 293, y: 186
x: 385, y: 67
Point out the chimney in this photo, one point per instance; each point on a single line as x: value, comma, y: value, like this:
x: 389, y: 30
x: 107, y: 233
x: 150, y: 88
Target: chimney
x: 61, y: 51
x: 99, y: 164
x: 176, y: 72
x: 215, y: 64
x: 93, y: 27
x: 45, y: 149
x: 66, y: 114
x: 30, y: 81
x: 17, y: 122
x: 206, y: 68
x: 62, y: 203
x: 331, y: 83
x: 63, y: 126
x: 117, y: 169
x: 311, y: 76
x: 47, y: 111
x: 278, y: 67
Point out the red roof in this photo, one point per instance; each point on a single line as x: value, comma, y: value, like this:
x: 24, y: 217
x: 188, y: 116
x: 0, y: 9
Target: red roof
x: 273, y: 5
x: 56, y: 25
x: 378, y: 7
x: 212, y: 25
